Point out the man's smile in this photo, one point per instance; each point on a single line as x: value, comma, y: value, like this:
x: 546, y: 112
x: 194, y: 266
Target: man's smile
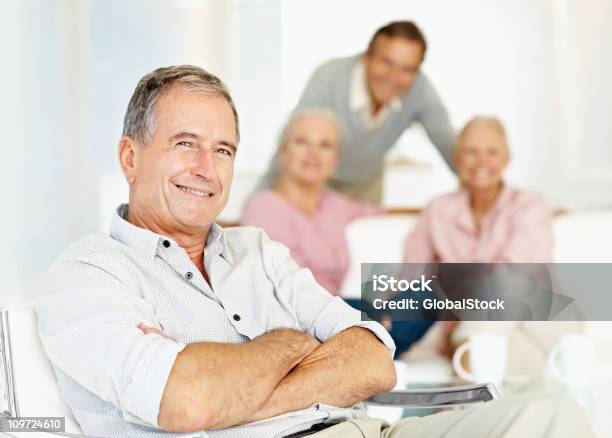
x: 199, y: 192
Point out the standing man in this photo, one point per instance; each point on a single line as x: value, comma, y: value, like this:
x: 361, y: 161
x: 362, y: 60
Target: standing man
x: 377, y: 95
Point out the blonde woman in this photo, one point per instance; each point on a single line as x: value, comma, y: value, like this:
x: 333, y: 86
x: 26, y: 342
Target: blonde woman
x: 488, y: 221
x: 299, y: 210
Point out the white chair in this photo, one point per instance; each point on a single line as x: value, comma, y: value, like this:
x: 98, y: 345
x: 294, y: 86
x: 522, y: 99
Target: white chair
x: 33, y: 390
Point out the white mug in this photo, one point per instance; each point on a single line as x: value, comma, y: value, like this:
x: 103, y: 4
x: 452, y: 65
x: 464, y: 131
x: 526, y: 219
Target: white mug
x: 488, y: 357
x: 571, y: 361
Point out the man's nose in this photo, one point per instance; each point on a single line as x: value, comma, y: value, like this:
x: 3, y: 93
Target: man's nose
x: 395, y: 74
x: 204, y: 165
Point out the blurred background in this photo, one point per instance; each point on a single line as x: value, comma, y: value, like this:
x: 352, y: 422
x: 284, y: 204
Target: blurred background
x: 70, y: 66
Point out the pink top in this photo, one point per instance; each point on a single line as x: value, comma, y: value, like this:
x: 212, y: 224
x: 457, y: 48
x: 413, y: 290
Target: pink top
x: 316, y: 241
x: 518, y: 228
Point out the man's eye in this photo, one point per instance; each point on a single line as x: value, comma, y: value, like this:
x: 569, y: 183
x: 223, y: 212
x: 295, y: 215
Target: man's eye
x: 224, y: 151
x: 185, y: 144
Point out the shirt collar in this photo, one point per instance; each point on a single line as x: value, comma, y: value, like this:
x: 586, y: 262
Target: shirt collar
x: 464, y: 215
x: 216, y: 244
x: 151, y: 243
x: 359, y: 98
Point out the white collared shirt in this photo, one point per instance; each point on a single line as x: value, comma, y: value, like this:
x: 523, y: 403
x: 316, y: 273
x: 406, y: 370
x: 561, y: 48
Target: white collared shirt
x: 113, y: 376
x: 360, y: 100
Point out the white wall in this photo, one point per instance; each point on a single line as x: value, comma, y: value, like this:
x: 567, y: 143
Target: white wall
x: 12, y: 157
x: 542, y: 66
x: 484, y: 57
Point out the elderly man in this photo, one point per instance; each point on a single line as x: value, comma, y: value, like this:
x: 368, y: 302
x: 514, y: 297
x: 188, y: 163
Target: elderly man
x: 171, y: 326
x: 377, y: 95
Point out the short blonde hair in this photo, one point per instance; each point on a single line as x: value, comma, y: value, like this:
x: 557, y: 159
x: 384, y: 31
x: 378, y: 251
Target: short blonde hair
x: 489, y: 121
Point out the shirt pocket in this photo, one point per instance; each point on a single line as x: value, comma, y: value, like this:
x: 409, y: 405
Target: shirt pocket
x: 253, y: 307
x: 201, y: 320
x: 280, y: 315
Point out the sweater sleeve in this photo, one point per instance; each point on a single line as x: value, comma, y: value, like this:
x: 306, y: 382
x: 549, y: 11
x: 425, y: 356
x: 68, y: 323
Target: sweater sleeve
x: 433, y: 115
x: 317, y: 90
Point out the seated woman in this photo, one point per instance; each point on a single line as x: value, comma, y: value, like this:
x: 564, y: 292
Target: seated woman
x: 300, y: 212
x: 486, y: 221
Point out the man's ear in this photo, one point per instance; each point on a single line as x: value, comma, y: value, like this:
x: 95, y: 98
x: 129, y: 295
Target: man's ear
x: 127, y: 158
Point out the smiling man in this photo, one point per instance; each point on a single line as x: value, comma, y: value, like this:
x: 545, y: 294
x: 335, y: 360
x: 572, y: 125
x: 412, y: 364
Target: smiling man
x: 377, y: 95
x: 172, y: 326
x: 180, y: 181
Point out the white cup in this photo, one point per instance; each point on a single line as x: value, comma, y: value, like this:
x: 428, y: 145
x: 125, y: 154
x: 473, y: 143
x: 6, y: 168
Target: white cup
x: 488, y: 357
x: 571, y: 361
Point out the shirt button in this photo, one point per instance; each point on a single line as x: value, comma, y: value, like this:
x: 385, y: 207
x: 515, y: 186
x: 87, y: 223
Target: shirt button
x: 189, y: 275
x: 166, y: 243
x: 236, y: 317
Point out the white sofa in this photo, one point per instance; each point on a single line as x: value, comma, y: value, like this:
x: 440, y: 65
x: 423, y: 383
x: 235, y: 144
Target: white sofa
x: 579, y: 237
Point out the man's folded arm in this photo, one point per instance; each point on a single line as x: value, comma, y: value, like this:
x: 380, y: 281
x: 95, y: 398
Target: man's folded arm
x: 348, y: 368
x: 355, y: 360
x: 213, y: 386
x: 88, y: 324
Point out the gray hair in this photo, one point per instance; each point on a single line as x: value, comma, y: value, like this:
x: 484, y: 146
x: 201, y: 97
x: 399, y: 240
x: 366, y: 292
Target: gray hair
x: 140, y: 118
x: 490, y: 121
x: 324, y: 113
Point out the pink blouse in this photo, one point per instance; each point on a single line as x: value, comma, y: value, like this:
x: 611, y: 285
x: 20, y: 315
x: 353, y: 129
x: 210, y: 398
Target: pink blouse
x: 316, y: 241
x: 517, y: 229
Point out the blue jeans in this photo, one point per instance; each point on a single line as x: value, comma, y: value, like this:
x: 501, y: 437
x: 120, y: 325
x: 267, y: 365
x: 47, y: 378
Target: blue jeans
x: 404, y: 333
